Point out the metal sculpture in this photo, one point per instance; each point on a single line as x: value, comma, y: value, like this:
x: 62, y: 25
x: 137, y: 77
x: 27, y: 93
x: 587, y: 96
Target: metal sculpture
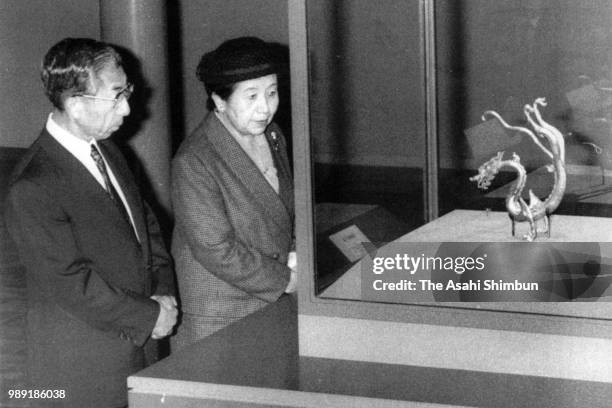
x: 537, y: 209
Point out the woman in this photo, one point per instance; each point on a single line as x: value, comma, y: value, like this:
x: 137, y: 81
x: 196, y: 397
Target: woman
x: 232, y: 195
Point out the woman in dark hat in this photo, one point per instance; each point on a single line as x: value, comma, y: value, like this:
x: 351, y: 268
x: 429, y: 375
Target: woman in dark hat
x: 232, y: 195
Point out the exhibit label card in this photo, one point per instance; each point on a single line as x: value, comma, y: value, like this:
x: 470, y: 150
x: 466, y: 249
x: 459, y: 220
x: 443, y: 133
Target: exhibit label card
x: 349, y: 242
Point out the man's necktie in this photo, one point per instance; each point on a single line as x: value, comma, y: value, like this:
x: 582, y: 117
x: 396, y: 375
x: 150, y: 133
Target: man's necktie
x: 114, y: 196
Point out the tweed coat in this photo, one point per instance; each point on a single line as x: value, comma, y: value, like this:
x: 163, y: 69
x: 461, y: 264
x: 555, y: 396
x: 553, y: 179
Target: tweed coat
x: 88, y: 278
x: 232, y: 231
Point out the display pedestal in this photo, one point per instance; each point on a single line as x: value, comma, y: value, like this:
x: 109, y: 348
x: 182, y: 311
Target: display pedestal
x: 494, y: 226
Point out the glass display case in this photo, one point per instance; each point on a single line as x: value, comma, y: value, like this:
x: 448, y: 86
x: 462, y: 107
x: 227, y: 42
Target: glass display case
x: 388, y: 104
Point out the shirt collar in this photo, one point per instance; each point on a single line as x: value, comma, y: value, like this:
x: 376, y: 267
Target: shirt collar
x: 75, y: 145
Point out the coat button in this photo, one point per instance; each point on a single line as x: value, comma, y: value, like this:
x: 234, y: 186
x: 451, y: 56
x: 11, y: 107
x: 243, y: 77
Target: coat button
x: 276, y: 255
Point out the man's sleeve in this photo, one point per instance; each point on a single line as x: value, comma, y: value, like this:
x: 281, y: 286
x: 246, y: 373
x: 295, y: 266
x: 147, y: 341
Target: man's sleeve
x: 160, y: 262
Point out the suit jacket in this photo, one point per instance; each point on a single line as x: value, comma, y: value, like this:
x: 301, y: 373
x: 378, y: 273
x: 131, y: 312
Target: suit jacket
x: 88, y: 278
x: 232, y: 231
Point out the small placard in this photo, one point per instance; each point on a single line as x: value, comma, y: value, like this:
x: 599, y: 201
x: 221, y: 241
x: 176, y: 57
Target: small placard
x: 350, y: 242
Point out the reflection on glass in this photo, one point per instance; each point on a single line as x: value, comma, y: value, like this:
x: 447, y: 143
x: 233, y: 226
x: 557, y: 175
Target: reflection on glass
x: 367, y: 125
x: 503, y: 55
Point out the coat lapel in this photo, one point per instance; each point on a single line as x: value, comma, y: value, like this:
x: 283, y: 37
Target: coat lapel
x: 74, y: 171
x: 285, y: 181
x: 246, y: 171
x: 77, y: 175
x: 126, y: 182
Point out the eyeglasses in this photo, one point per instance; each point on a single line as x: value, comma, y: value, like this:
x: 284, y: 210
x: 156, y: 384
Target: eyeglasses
x: 123, y: 94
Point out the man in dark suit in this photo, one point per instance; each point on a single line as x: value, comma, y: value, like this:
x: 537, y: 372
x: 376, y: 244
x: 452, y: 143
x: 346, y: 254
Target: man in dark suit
x: 99, y: 280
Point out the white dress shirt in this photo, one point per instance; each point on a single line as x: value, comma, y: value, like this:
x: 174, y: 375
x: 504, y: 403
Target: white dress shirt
x: 81, y: 149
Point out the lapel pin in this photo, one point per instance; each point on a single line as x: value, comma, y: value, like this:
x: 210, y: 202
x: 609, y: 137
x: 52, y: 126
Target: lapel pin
x: 275, y: 143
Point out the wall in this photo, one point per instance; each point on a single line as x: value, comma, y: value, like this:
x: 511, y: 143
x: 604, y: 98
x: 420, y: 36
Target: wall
x: 503, y: 54
x: 27, y: 30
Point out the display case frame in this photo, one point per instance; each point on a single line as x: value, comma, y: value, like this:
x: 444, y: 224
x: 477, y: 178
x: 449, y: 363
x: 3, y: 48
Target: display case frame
x: 491, y: 330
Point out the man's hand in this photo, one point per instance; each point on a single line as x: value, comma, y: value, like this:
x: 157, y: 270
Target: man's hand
x: 293, y: 280
x: 167, y: 316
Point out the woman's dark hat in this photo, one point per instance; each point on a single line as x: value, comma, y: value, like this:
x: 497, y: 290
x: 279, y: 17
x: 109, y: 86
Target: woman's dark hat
x: 237, y: 60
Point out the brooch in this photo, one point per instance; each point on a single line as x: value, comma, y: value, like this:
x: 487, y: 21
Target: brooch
x: 274, y: 142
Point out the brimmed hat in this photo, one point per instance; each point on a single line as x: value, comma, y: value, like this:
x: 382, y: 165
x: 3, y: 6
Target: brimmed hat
x: 236, y: 60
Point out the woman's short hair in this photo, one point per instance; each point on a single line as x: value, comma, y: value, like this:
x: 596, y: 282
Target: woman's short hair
x: 71, y: 64
x: 235, y: 60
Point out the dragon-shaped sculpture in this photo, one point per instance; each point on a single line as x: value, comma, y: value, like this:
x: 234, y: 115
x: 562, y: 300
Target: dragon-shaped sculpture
x: 537, y: 209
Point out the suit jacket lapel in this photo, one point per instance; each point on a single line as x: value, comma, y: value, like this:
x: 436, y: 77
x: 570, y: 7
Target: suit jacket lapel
x: 77, y: 175
x: 74, y: 170
x: 129, y: 188
x: 245, y: 170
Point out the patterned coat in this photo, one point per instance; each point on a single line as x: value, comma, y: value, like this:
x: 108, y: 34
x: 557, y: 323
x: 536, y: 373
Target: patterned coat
x: 232, y: 233
x: 88, y: 279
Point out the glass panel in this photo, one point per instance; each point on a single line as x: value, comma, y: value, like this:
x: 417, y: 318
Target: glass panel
x: 367, y: 126
x: 367, y: 108
x: 522, y: 59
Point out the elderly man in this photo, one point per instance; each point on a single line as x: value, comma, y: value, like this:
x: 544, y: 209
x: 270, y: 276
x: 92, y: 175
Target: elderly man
x: 99, y: 280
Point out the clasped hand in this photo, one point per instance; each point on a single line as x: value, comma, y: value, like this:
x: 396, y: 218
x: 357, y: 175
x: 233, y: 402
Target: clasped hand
x: 168, y: 314
x: 292, y: 264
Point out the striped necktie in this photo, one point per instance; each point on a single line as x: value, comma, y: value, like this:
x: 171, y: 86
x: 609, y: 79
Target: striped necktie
x: 110, y: 189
